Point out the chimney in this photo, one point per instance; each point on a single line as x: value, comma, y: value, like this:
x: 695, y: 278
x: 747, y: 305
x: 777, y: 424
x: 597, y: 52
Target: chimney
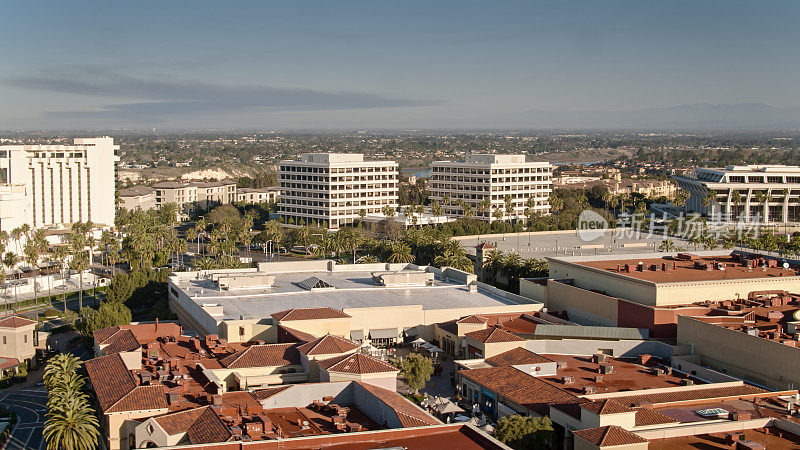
x: 156, y: 323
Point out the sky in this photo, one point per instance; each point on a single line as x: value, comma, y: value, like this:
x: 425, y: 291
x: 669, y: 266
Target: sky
x: 361, y: 65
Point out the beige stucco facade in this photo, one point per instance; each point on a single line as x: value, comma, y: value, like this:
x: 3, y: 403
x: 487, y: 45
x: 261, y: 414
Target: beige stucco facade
x: 733, y: 352
x: 19, y: 342
x: 119, y: 427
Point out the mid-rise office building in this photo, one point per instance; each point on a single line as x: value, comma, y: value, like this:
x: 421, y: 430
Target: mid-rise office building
x: 257, y: 195
x: 137, y: 198
x: 335, y: 189
x: 754, y: 193
x: 492, y: 181
x: 57, y: 185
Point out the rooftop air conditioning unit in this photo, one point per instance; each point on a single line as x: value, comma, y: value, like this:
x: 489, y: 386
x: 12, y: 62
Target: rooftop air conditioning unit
x: 588, y: 390
x: 686, y: 382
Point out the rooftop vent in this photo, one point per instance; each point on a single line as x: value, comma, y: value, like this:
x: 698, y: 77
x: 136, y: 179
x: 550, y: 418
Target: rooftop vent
x: 315, y: 284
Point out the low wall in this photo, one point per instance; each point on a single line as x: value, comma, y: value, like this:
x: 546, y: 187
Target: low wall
x: 690, y: 364
x: 505, y: 294
x: 698, y: 428
x: 620, y: 349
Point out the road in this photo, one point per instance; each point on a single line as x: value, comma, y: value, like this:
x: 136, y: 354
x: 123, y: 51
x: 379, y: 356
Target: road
x: 29, y: 403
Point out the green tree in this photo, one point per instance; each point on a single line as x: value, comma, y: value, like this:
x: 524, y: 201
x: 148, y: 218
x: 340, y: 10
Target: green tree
x: 108, y: 314
x: 78, y: 241
x: 10, y: 259
x: 417, y: 370
x: 60, y: 254
x: 524, y: 433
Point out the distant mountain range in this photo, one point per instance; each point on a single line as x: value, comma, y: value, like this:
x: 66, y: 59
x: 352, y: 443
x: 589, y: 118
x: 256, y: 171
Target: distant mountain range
x: 701, y: 116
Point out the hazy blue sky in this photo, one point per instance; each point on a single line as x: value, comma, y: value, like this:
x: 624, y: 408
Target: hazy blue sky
x: 171, y: 64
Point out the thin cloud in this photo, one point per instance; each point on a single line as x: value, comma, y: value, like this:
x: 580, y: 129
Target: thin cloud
x: 163, y: 97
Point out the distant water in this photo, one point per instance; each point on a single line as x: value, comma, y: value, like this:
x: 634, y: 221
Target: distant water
x: 419, y: 172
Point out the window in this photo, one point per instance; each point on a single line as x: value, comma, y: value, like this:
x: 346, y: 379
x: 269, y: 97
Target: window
x: 4, y: 340
x: 26, y: 338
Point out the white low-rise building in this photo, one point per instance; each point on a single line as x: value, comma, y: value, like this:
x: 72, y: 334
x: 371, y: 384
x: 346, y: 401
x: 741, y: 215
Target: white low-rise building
x: 333, y: 190
x: 484, y: 184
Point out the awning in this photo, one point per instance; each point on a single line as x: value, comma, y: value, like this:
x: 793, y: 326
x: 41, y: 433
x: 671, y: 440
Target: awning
x: 357, y: 335
x: 383, y: 333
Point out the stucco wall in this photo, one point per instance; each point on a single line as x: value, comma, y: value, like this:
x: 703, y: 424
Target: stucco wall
x: 751, y: 358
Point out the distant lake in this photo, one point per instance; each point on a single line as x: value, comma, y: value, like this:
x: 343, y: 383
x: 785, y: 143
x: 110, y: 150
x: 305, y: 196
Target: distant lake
x: 419, y: 172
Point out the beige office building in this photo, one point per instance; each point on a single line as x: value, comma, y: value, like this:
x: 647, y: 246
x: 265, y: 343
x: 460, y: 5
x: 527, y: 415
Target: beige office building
x: 335, y: 189
x: 137, y: 198
x: 57, y: 185
x: 491, y: 177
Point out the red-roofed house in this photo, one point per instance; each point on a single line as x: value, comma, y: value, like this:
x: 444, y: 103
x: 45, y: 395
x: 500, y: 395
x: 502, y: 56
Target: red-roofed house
x: 490, y: 342
x: 608, y: 437
x: 121, y: 400
x: 259, y: 366
x: 316, y: 321
x: 325, y: 347
x: 18, y: 339
x: 189, y: 427
x: 359, y: 367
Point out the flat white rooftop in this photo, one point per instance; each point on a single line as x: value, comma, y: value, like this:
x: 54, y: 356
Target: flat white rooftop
x: 352, y: 289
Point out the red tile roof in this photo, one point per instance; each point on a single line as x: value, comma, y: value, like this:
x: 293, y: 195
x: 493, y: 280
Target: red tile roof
x: 472, y: 319
x: 179, y: 422
x: 517, y: 356
x: 141, y: 398
x: 144, y: 332
x: 521, y: 388
x: 110, y: 379
x: 208, y: 428
x: 406, y: 411
x: 609, y: 436
x: 263, y: 394
x: 357, y: 364
x: 286, y: 334
x: 269, y: 355
x: 7, y: 363
x: 493, y: 335
x: 122, y: 341
x: 646, y: 416
x: 15, y: 322
x: 607, y: 406
x: 309, y: 314
x: 327, y: 345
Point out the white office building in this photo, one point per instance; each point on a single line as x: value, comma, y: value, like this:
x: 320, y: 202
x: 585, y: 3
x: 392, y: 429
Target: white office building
x: 489, y: 180
x: 335, y: 189
x: 754, y: 193
x: 57, y: 185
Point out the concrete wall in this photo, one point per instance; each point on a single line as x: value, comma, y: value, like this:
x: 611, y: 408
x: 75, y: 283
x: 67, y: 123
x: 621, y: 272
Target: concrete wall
x: 386, y: 381
x: 724, y: 426
x: 302, y: 395
x: 690, y: 364
x: 583, y: 306
x: 613, y: 284
x: 582, y: 444
x: 761, y: 361
x: 529, y: 288
x: 121, y: 425
x: 625, y: 348
x: 682, y: 293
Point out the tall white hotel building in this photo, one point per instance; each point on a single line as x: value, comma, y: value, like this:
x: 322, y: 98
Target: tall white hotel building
x: 57, y: 185
x: 491, y: 177
x: 334, y: 188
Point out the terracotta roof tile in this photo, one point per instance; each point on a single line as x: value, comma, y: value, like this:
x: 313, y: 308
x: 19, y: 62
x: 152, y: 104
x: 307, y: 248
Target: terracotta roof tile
x: 142, y: 398
x: 104, y: 333
x: 607, y: 406
x: 609, y: 436
x: 286, y: 334
x: 110, y: 379
x: 647, y: 416
x: 327, y: 345
x: 309, y: 314
x: 263, y: 394
x: 208, y: 428
x: 472, y: 319
x: 516, y: 356
x: 179, y: 422
x: 493, y: 335
x: 415, y: 416
x: 144, y: 332
x: 521, y: 388
x: 121, y: 341
x: 15, y: 322
x: 357, y: 363
x: 269, y: 355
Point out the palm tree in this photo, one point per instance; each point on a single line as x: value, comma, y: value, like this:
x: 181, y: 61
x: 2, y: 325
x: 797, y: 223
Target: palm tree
x: 556, y: 203
x: 58, y: 368
x: 72, y: 426
x: 400, y: 253
x: 736, y: 199
x: 60, y: 254
x: 10, y: 259
x: 508, y: 205
x: 80, y: 261
x: 495, y: 259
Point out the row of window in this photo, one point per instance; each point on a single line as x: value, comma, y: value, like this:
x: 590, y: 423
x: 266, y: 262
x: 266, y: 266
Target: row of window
x: 464, y: 179
x: 515, y: 170
x: 371, y: 169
